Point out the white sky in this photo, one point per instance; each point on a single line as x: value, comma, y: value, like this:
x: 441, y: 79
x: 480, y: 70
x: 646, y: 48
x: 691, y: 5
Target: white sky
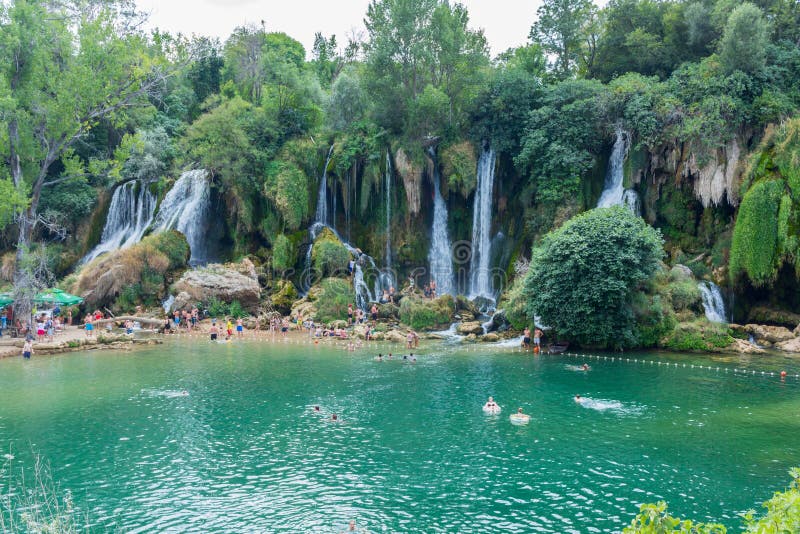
x: 506, y: 22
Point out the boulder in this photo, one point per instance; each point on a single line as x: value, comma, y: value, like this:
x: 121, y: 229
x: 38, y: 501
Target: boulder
x: 763, y: 315
x: 681, y: 271
x: 770, y: 334
x: 467, y: 328
x: 388, y: 311
x: 183, y: 301
x: 464, y: 305
x: 394, y: 336
x: 471, y: 338
x: 283, y: 297
x: 491, y: 337
x: 223, y: 282
x: 740, y: 346
x: 792, y: 345
x: 304, y: 307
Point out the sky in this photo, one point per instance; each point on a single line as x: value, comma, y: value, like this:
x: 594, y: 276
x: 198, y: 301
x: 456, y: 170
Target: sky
x: 506, y: 22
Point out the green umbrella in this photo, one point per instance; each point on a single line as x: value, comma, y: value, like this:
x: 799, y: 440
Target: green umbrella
x: 57, y: 296
x: 5, y: 299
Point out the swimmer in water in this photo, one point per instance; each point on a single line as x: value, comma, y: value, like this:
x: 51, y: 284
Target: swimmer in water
x: 334, y: 418
x: 380, y: 357
x: 578, y: 398
x: 185, y: 393
x: 390, y: 355
x: 585, y: 367
x: 316, y: 409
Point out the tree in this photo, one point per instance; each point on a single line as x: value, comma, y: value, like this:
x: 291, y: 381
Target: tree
x: 65, y: 68
x: 559, y: 30
x: 744, y: 44
x: 583, y: 274
x: 347, y: 103
x: 561, y: 139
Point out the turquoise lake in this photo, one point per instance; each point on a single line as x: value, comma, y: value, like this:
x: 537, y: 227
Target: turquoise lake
x: 413, y: 452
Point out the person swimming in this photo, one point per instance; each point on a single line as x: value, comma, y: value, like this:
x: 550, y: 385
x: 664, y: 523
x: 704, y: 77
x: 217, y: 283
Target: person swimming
x: 334, y: 418
x: 316, y: 409
x: 585, y: 367
x: 491, y: 407
x: 578, y: 399
x: 185, y: 393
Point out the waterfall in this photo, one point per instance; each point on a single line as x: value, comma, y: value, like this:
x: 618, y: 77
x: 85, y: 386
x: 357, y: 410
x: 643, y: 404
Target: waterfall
x: 440, y: 254
x: 388, y: 182
x: 185, y: 208
x: 613, y: 190
x: 129, y: 216
x: 480, y: 280
x: 713, y: 303
x: 630, y: 198
x: 322, y: 196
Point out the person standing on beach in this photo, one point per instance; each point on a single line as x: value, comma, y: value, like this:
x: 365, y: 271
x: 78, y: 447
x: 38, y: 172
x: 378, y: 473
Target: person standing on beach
x: 88, y: 325
x: 239, y: 328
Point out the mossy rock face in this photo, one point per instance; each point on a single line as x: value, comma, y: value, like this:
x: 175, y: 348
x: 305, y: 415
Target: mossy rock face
x: 425, y: 314
x: 764, y: 315
x: 284, y: 297
x: 332, y: 301
x: 701, y: 336
x: 459, y: 167
x: 388, y: 311
x: 329, y: 255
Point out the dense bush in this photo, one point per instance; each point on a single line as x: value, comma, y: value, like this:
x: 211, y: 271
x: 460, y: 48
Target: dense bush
x: 459, y: 167
x: 421, y: 314
x: 332, y: 301
x: 583, y: 274
x: 283, y: 254
x: 698, y: 336
x: 329, y: 255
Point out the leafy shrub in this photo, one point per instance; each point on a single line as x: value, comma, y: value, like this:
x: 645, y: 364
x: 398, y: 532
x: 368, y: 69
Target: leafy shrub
x: 329, y: 255
x: 71, y: 200
x: 698, y: 336
x: 422, y: 314
x: 216, y: 308
x: 332, y: 301
x: 684, y: 294
x: 286, y: 185
x: 283, y: 254
x: 459, y: 167
x: 235, y: 310
x: 783, y: 511
x: 583, y: 274
x: 654, y: 519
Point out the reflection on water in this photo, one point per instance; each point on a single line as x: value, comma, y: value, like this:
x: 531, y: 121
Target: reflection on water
x: 412, y: 450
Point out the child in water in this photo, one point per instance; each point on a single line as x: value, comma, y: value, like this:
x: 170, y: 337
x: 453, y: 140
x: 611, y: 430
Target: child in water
x: 27, y: 350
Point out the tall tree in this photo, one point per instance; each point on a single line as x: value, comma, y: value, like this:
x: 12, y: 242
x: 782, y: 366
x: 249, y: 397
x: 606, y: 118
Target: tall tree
x: 560, y: 29
x: 65, y: 67
x: 744, y: 44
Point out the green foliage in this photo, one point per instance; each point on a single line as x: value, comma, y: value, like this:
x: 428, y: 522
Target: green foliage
x: 583, y: 274
x: 332, y: 301
x: 14, y: 201
x: 69, y: 201
x: 459, y: 167
x: 173, y: 245
x: 755, y: 236
x: 287, y: 187
x: 783, y: 511
x: 560, y: 29
x: 744, y: 44
x: 284, y: 296
x: 561, y: 140
x: 329, y: 255
x: 348, y: 103
x: 421, y: 314
x: 654, y: 519
x: 283, y: 253
x: 698, y: 336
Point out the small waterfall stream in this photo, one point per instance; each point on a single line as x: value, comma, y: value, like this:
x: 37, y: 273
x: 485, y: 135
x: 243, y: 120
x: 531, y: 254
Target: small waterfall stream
x: 713, y: 303
x: 614, y: 193
x: 129, y: 216
x: 440, y: 254
x: 322, y: 195
x: 388, y: 186
x: 480, y: 279
x: 186, y: 208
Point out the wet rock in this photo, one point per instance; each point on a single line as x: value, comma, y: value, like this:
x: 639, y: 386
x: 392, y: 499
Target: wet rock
x: 740, y: 346
x: 223, y: 282
x: 769, y: 334
x: 467, y: 328
x: 394, y: 336
x: 792, y: 345
x: 491, y: 337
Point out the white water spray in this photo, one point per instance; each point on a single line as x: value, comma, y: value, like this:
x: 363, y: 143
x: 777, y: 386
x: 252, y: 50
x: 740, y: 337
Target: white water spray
x: 613, y: 190
x: 129, y: 215
x: 713, y: 303
x: 480, y: 279
x: 440, y: 253
x: 185, y: 208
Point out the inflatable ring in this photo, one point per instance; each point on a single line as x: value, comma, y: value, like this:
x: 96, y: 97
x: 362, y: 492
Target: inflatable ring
x: 491, y: 410
x: 520, y: 419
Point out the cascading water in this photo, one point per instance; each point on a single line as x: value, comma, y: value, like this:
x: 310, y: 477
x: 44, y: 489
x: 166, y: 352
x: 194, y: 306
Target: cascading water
x: 480, y: 280
x: 185, y: 208
x: 713, y: 303
x: 440, y: 254
x: 322, y: 195
x: 388, y: 184
x: 129, y: 215
x: 613, y: 190
x: 630, y: 198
